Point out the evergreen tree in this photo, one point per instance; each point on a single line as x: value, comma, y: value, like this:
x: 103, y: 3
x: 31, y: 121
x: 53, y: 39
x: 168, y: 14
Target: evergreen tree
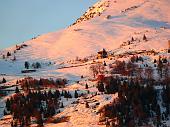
x: 69, y: 95
x: 155, y: 61
x: 62, y: 93
x: 160, y: 67
x: 144, y: 37
x: 100, y: 86
x: 57, y: 93
x: 62, y: 105
x: 104, y: 63
x: 132, y: 39
x: 165, y: 60
x: 5, y: 113
x: 27, y: 64
x: 8, y: 54
x: 17, y: 90
x: 86, y: 86
x: 65, y: 94
x: 8, y: 105
x: 3, y: 80
x: 76, y: 94
x: 37, y: 65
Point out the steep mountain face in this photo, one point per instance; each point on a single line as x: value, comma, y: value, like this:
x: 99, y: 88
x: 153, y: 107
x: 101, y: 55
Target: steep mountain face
x: 109, y: 24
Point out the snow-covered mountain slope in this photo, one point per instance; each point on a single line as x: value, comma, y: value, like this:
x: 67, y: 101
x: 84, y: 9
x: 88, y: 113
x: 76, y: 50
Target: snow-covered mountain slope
x: 108, y: 24
x: 127, y: 19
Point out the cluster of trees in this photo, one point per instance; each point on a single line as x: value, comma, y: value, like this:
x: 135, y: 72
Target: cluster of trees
x: 126, y: 69
x: 31, y: 83
x: 136, y: 59
x: 35, y: 65
x: 109, y: 85
x: 36, y: 104
x: 7, y: 55
x: 10, y: 54
x: 132, y: 68
x: 67, y: 94
x: 132, y: 40
x: 163, y: 60
x: 119, y: 67
x: 138, y: 100
x: 19, y: 47
x: 137, y: 103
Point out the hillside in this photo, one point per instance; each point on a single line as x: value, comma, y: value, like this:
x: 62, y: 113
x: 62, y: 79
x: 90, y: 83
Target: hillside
x: 125, y: 19
x: 135, y: 35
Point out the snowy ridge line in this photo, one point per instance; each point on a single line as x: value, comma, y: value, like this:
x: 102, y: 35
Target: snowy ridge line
x: 93, y: 11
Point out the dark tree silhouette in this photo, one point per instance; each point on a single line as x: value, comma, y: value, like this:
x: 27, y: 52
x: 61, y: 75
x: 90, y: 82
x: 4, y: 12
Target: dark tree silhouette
x: 86, y: 87
x: 27, y: 64
x: 100, y: 86
x: 3, y: 80
x: 144, y: 37
x: 17, y: 90
x: 75, y: 94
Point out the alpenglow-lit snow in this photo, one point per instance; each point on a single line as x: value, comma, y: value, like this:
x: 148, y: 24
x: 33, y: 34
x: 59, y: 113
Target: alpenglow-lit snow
x: 127, y: 18
x: 109, y: 24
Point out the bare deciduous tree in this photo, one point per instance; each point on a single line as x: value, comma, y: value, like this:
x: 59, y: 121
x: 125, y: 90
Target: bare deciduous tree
x: 97, y: 69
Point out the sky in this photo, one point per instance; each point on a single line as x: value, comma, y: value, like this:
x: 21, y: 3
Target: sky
x: 20, y: 20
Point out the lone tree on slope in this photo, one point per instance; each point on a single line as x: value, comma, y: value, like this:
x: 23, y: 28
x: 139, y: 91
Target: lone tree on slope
x: 27, y: 64
x: 3, y: 80
x: 144, y: 37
